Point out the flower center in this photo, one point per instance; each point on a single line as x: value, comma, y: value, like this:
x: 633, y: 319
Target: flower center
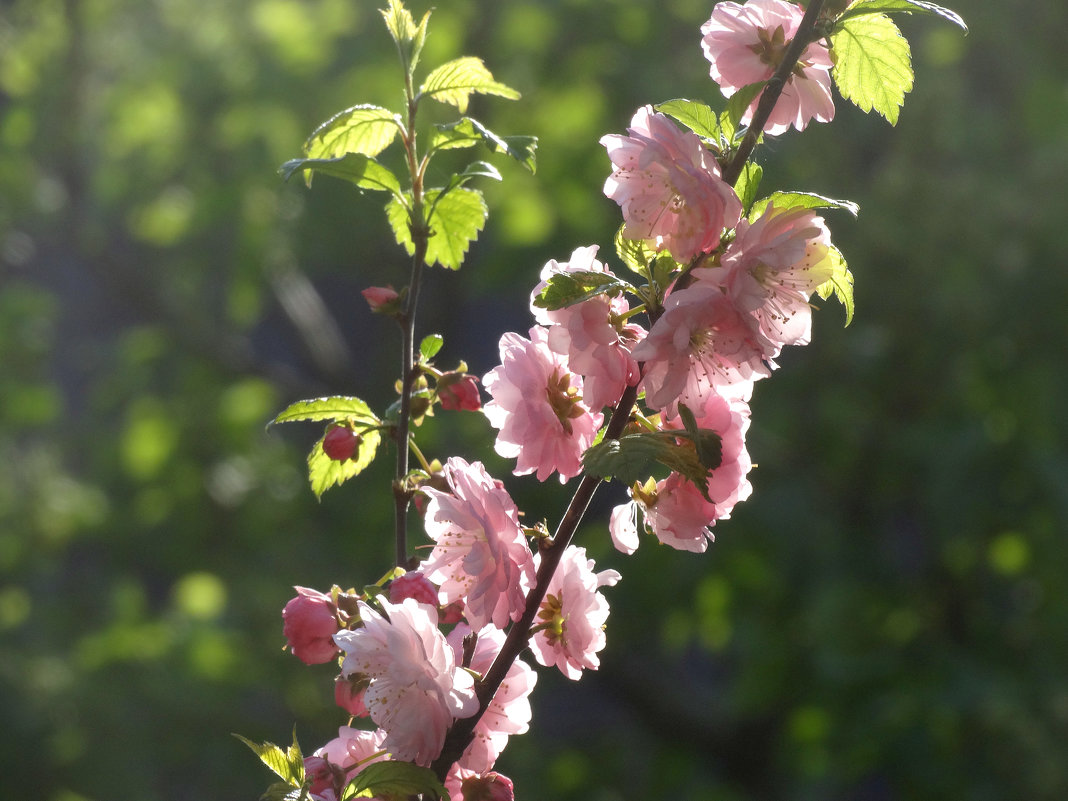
x: 564, y: 399
x: 551, y: 616
x: 771, y: 47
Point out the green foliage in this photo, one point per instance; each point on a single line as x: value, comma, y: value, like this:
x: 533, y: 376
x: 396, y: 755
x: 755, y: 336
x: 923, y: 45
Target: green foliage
x: 467, y: 132
x: 364, y: 172
x: 568, y: 288
x: 288, y: 764
x: 430, y: 346
x: 903, y: 6
x: 408, y: 36
x: 632, y: 457
x: 455, y: 81
x: 336, y: 407
x: 840, y: 283
x: 800, y: 200
x: 737, y: 105
x: 391, y: 779
x: 748, y: 183
x: 324, y: 472
x: 454, y: 219
x: 873, y: 64
x: 696, y: 116
x: 362, y: 129
x: 635, y: 253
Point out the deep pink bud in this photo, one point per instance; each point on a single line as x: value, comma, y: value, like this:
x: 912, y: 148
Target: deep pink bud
x: 309, y: 624
x: 413, y: 585
x: 459, y: 391
x: 348, y: 694
x: 453, y: 613
x: 322, y: 775
x: 340, y: 443
x: 488, y: 787
x: 382, y: 299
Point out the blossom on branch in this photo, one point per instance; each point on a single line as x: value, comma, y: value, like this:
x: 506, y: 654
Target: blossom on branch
x: 538, y: 408
x: 571, y: 619
x: 417, y: 688
x: 745, y: 44
x: 594, y: 334
x: 309, y: 622
x: 668, y: 186
x: 481, y: 555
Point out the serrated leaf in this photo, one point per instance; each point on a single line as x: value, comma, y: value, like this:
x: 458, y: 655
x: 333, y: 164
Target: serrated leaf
x: 400, y: 779
x: 361, y: 129
x: 287, y: 764
x: 324, y: 472
x: 748, y: 183
x: 280, y: 791
x: 740, y: 101
x: 840, y: 283
x: 454, y: 222
x: 455, y: 81
x: 631, y: 457
x: 468, y: 132
x: 568, y: 288
x: 408, y: 36
x: 905, y: 7
x: 873, y: 64
x: 361, y: 170
x: 335, y: 407
x: 430, y: 346
x: 635, y: 253
x: 800, y: 200
x: 698, y: 117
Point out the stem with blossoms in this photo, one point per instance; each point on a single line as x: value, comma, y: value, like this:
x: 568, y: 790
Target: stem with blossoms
x: 725, y: 278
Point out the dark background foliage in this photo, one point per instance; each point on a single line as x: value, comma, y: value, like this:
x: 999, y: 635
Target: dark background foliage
x: 887, y: 617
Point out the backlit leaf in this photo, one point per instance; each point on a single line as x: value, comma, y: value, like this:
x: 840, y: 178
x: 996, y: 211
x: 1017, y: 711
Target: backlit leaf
x: 287, y: 764
x: 468, y: 132
x: 361, y: 129
x: 698, y: 117
x: 454, y: 222
x: 840, y: 283
x: 336, y: 407
x: 800, y: 200
x: 324, y: 472
x: 365, y: 172
x: 455, y: 81
x: 568, y: 288
x: 906, y: 7
x: 389, y: 778
x: 873, y: 64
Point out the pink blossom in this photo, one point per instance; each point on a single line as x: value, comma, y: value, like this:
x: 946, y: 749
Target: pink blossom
x: 537, y: 408
x: 309, y: 623
x: 668, y: 186
x: 481, y: 555
x: 417, y: 689
x: 593, y: 334
x: 353, y: 747
x: 572, y: 615
x: 770, y: 271
x: 348, y: 694
x: 674, y: 509
x: 508, y: 712
x: 413, y: 584
x: 701, y: 339
x: 382, y: 299
x: 746, y: 44
x: 469, y: 785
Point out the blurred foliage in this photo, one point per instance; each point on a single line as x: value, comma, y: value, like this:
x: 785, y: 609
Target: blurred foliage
x: 887, y: 618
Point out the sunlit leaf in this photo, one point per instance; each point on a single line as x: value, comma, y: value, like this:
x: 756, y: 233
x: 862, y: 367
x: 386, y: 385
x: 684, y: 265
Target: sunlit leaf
x: 632, y: 457
x: 454, y: 223
x: 873, y: 64
x: 336, y: 407
x: 568, y: 288
x: 748, y: 183
x: 635, y: 253
x: 468, y: 132
x: 698, y: 117
x: 324, y: 472
x: 904, y: 6
x: 408, y: 36
x: 430, y: 346
x: 455, y: 81
x: 397, y: 779
x: 840, y: 283
x: 740, y: 101
x: 287, y: 764
x: 361, y: 129
x: 800, y: 200
x: 365, y: 172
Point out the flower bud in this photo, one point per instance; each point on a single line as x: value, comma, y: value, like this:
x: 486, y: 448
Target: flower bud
x: 488, y: 787
x: 340, y: 443
x: 348, y: 694
x: 459, y: 391
x: 382, y: 299
x: 322, y: 775
x: 413, y: 585
x: 309, y: 625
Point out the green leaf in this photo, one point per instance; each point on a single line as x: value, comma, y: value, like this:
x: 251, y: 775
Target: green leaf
x: 324, y: 472
x: 454, y: 222
x: 635, y: 253
x: 840, y: 283
x: 361, y: 129
x: 335, y: 407
x: 468, y: 132
x: 568, y: 288
x: 740, y: 101
x: 708, y: 443
x: 408, y: 36
x: 631, y: 457
x: 873, y: 64
x: 698, y: 117
x: 800, y: 200
x: 430, y: 346
x: 287, y: 765
x: 748, y: 183
x: 365, y: 172
x: 401, y: 779
x: 905, y: 7
x: 455, y: 81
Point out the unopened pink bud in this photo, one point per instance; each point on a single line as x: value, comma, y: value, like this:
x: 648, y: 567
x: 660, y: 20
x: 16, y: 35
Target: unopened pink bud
x: 322, y: 775
x: 348, y: 694
x: 340, y: 443
x: 459, y: 391
x: 413, y: 585
x: 382, y: 299
x: 309, y: 624
x: 488, y: 787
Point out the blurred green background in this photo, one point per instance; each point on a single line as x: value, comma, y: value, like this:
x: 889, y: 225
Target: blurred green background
x: 886, y: 618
